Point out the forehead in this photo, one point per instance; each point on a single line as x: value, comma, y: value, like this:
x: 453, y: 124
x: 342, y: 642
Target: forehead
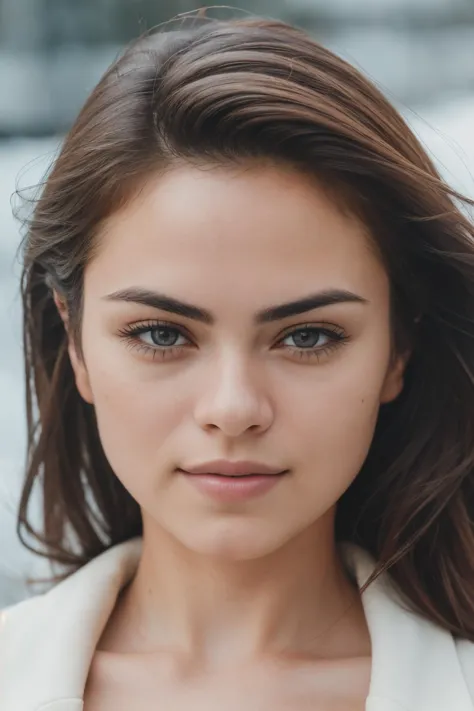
x: 268, y: 230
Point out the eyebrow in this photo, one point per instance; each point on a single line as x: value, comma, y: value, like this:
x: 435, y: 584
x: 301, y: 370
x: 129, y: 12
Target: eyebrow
x: 279, y: 312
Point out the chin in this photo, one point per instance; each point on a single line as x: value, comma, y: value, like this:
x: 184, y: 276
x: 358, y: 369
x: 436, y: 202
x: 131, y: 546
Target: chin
x: 234, y: 541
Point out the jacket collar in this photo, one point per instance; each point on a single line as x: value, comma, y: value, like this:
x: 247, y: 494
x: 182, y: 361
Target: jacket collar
x: 47, y: 642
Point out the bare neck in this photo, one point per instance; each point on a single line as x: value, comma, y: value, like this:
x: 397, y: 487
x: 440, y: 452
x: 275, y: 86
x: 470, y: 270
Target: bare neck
x: 296, y: 601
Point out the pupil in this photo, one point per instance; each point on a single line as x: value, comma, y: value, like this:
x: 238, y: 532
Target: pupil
x: 306, y: 339
x: 164, y: 336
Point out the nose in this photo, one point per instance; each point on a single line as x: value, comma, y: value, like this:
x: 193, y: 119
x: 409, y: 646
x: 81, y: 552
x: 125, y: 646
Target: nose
x: 233, y: 400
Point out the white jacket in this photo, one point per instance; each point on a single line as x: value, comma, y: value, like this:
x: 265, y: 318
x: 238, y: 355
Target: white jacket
x: 47, y: 643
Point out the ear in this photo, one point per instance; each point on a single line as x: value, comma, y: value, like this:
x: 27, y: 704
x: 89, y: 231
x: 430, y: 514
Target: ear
x: 394, y: 379
x: 81, y: 375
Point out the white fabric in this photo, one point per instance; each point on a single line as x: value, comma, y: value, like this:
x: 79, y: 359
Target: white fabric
x: 47, y: 643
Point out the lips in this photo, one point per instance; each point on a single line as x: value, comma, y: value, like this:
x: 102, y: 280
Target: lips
x: 226, y: 468
x: 232, y: 482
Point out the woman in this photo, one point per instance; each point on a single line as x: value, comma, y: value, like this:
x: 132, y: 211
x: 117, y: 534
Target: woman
x: 249, y: 305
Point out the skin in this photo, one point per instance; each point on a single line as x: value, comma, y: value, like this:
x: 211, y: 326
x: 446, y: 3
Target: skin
x: 245, y: 603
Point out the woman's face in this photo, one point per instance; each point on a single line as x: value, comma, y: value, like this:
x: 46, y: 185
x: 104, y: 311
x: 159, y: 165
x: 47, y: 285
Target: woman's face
x: 236, y: 315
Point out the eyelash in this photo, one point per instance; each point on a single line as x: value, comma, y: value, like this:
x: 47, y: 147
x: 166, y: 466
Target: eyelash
x: 337, y: 337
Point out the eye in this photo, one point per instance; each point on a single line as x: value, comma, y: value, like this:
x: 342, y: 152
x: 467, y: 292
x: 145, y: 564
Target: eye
x: 163, y: 337
x: 156, y: 339
x: 310, y: 341
x: 307, y: 338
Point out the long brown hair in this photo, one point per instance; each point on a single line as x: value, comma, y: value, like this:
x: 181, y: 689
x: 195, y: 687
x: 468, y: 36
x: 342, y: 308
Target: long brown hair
x: 234, y: 91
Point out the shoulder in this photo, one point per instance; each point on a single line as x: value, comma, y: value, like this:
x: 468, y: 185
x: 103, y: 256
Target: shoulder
x: 63, y: 601
x: 17, y: 642
x: 17, y: 619
x: 18, y: 610
x: 416, y: 663
x: 69, y: 616
x: 465, y: 650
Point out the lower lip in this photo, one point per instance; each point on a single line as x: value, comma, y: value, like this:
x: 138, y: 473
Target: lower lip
x: 231, y: 488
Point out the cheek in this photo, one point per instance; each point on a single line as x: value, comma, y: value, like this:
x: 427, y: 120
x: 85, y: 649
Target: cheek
x: 331, y: 416
x: 136, y: 415
x: 336, y: 423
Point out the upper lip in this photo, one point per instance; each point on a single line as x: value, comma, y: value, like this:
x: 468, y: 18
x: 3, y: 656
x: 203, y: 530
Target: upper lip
x: 228, y: 468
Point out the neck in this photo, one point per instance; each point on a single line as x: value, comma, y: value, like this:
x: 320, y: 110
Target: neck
x: 295, y: 601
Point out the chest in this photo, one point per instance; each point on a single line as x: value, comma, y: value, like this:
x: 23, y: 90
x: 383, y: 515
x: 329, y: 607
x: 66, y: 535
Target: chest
x: 148, y: 687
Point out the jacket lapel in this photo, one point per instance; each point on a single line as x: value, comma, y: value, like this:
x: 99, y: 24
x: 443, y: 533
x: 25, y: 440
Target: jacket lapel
x: 415, y: 665
x: 47, y: 642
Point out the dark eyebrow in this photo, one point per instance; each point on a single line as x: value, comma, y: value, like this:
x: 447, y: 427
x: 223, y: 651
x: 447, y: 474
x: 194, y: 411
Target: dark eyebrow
x: 308, y: 303
x: 272, y: 313
x: 161, y: 302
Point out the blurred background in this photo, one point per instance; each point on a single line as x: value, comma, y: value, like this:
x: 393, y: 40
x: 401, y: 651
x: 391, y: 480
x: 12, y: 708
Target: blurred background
x: 52, y: 52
